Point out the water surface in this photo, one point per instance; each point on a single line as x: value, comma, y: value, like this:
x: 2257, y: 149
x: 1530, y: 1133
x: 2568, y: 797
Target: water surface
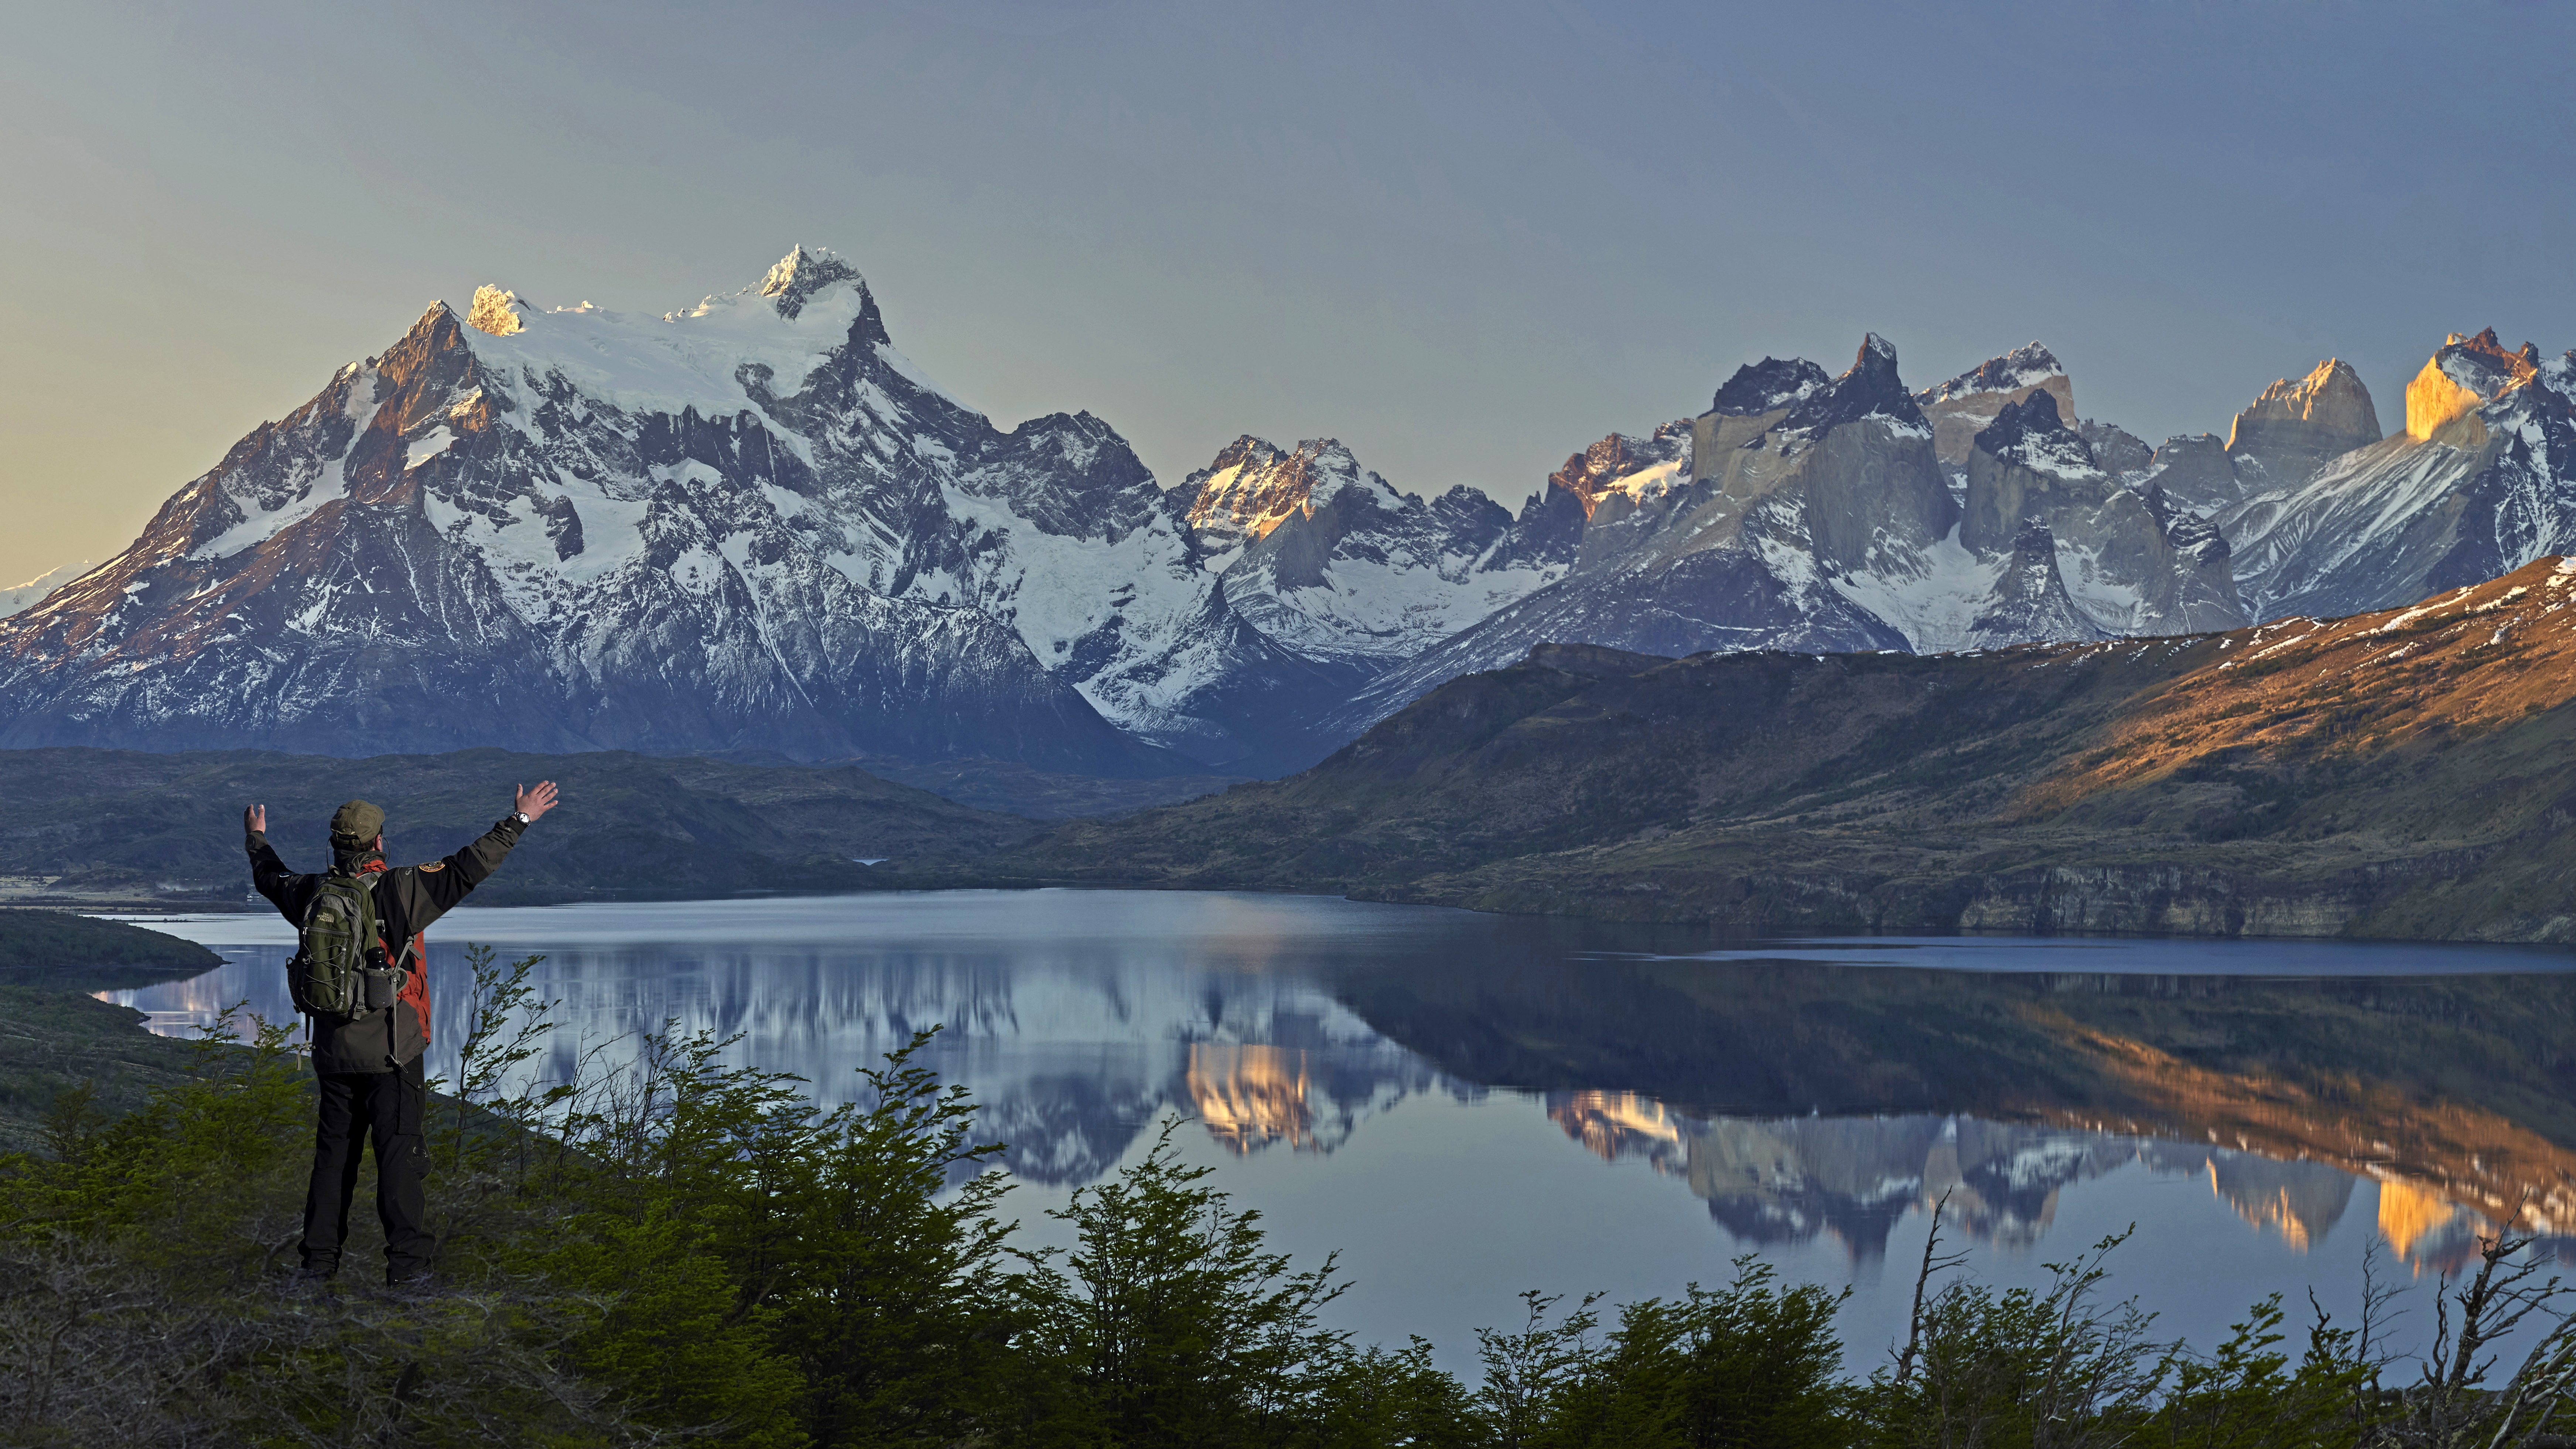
x: 1468, y: 1105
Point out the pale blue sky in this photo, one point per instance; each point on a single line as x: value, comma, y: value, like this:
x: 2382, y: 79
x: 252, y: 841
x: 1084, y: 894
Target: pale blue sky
x: 1467, y: 239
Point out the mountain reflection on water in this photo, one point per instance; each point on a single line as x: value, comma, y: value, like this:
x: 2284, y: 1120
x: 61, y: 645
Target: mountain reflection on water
x: 1809, y: 1103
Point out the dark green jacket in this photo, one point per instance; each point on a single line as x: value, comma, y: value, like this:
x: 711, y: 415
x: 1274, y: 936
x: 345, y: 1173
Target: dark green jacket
x: 408, y: 898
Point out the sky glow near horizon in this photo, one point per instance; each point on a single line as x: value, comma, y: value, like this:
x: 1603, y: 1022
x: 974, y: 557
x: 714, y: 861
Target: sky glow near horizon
x: 1466, y: 240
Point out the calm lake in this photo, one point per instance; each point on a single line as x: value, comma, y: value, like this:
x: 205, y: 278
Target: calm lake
x: 1466, y: 1105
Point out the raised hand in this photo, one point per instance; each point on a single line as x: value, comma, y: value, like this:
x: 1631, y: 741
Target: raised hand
x: 255, y: 817
x: 536, y: 802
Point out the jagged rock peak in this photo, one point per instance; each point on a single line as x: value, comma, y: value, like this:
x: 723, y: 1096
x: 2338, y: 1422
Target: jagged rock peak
x: 2319, y: 389
x: 496, y: 311
x: 2025, y: 366
x: 1869, y: 388
x: 1638, y: 466
x: 2030, y: 432
x: 2296, y: 428
x: 802, y: 273
x: 2463, y: 375
x: 1244, y: 451
x: 2330, y: 398
x: 1768, y: 386
x: 2482, y: 362
x: 1253, y: 486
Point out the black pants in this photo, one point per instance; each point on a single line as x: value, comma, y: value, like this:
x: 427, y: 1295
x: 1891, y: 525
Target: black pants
x: 385, y: 1107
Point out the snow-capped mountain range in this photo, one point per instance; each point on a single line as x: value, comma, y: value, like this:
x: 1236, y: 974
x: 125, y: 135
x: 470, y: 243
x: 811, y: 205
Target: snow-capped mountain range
x: 753, y: 524
x: 1818, y: 513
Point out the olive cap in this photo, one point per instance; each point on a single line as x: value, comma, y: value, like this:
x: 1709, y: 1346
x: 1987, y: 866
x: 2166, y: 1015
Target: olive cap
x: 357, y: 823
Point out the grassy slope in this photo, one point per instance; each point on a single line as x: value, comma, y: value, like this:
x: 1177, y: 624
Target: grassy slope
x: 123, y: 823
x: 2399, y: 774
x: 50, y: 1040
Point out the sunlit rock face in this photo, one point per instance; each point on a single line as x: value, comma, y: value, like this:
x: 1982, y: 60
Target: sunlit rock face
x: 2295, y: 428
x: 2443, y: 400
x: 2481, y: 481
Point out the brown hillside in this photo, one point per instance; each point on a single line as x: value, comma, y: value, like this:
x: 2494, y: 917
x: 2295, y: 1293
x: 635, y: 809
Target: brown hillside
x: 2407, y: 773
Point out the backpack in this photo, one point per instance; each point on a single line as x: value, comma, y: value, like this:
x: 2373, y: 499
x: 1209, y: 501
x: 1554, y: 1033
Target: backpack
x: 329, y: 973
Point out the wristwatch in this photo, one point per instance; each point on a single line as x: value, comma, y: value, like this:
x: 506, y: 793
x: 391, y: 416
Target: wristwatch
x: 522, y: 817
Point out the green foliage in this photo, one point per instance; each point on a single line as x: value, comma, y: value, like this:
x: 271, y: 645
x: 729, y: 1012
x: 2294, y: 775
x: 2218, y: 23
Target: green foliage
x: 1170, y: 1323
x: 2054, y: 1368
x: 672, y: 1338
x: 684, y: 1250
x: 203, y: 1184
x: 1528, y: 1370
x: 873, y: 1295
x: 1752, y: 1364
x: 2248, y: 1396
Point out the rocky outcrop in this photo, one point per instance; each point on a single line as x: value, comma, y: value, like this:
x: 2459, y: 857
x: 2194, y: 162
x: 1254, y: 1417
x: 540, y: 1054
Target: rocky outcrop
x: 1730, y: 537
x: 1803, y: 511
x: 2462, y: 377
x: 2030, y: 599
x: 2296, y: 428
x: 2289, y: 433
x: 2116, y: 451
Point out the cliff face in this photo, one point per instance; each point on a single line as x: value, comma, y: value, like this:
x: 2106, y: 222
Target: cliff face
x: 2131, y: 561
x: 2405, y: 773
x: 1727, y: 536
x: 2295, y: 428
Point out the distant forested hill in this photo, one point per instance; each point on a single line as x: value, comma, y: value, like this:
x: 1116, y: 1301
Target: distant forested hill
x: 83, y: 825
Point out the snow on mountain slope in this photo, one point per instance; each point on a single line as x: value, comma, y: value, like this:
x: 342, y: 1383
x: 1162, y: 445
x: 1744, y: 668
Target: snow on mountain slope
x: 747, y: 524
x: 2481, y: 481
x: 1816, y: 513
x: 22, y: 596
x: 1332, y: 562
x: 1794, y: 481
